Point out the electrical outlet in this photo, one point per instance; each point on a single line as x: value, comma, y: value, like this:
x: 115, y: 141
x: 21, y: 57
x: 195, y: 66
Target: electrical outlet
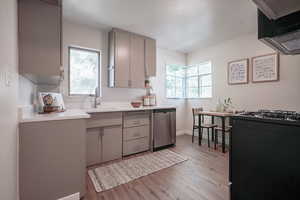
x: 75, y: 196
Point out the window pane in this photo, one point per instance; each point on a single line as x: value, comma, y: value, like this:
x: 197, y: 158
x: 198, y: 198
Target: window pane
x: 192, y: 71
x: 206, y: 92
x: 179, y: 92
x: 192, y: 82
x: 205, y: 68
x: 84, y: 71
x: 170, y: 86
x: 189, y: 82
x: 193, y: 93
x: 175, y: 70
x: 205, y: 80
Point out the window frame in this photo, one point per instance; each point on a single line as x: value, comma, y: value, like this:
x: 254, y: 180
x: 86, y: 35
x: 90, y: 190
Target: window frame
x: 186, y: 80
x: 98, y: 52
x: 184, y: 83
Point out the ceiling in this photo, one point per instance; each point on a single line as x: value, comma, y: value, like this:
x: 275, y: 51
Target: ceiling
x: 181, y: 25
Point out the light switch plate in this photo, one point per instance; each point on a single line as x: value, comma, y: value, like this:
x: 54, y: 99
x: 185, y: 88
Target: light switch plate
x: 8, y: 78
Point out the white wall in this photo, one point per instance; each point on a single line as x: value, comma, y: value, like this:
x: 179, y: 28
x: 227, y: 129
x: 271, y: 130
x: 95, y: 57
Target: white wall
x: 89, y: 37
x: 27, y: 92
x: 8, y: 100
x: 274, y: 95
x: 169, y: 57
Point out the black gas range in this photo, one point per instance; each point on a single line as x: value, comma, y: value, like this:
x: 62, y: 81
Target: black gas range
x: 290, y: 117
x: 265, y: 155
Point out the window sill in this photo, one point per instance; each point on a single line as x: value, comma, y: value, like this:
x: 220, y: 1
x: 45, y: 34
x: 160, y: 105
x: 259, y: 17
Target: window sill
x: 190, y: 98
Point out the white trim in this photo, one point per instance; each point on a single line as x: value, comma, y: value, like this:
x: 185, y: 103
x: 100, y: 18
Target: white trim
x: 183, y: 132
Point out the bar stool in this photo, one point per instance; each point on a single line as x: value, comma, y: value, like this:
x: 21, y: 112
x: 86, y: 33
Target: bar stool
x: 202, y: 126
x: 195, y: 124
x: 217, y: 129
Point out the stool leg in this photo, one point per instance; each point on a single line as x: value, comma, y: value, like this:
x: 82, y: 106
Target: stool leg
x: 215, y: 133
x: 212, y: 135
x: 200, y: 135
x: 193, y: 135
x: 208, y: 137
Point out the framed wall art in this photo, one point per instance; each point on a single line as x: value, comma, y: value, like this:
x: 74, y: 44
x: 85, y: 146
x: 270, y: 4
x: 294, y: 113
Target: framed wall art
x: 238, y: 72
x: 265, y: 68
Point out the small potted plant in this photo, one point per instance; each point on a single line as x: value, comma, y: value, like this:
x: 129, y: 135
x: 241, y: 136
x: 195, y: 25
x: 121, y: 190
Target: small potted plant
x: 227, y: 105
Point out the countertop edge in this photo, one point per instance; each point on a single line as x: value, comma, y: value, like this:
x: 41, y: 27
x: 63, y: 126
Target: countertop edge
x: 83, y: 113
x: 53, y: 117
x: 92, y: 110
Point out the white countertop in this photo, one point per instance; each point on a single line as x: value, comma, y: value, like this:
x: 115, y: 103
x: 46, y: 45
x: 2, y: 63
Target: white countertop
x: 69, y: 114
x: 84, y: 113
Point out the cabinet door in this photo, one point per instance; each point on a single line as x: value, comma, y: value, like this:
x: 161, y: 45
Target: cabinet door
x: 122, y: 59
x: 93, y: 146
x: 150, y: 57
x: 137, y: 61
x: 39, y: 37
x: 111, y: 143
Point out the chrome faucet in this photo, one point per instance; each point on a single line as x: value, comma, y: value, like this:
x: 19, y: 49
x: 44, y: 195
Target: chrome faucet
x: 97, y: 102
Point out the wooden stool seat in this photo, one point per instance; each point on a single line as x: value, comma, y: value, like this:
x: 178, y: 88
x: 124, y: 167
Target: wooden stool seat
x: 208, y: 125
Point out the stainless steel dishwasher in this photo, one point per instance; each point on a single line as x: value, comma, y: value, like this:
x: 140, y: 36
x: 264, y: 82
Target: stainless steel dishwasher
x: 164, y: 128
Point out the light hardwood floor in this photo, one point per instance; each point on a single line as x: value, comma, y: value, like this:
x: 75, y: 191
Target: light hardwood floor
x: 203, y: 177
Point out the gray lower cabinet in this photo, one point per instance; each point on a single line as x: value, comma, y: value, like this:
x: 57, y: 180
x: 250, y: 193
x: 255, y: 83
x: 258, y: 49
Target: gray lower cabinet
x: 93, y: 148
x: 136, y: 132
x: 104, y: 144
x: 136, y: 146
x: 111, y: 143
x: 52, y: 159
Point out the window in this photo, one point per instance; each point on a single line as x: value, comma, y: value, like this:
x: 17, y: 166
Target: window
x: 84, y: 71
x: 189, y: 81
x: 175, y: 81
x: 199, y: 81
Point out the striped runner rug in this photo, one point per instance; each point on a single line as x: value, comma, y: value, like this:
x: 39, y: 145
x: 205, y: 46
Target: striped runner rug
x: 115, y: 174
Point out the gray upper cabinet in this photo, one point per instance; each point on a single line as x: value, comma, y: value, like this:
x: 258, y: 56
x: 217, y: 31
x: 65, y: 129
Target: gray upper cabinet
x: 122, y: 59
x: 40, y: 40
x: 137, y: 61
x: 132, y: 59
x: 150, y: 57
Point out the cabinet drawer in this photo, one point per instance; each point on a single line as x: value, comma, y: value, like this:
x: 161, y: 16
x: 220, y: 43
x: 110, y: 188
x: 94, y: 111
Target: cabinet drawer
x: 136, y: 132
x: 104, y: 119
x: 136, y: 119
x: 135, y: 146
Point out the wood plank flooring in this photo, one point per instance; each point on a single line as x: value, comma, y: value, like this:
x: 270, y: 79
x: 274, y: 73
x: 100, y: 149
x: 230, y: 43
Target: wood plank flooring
x: 203, y: 177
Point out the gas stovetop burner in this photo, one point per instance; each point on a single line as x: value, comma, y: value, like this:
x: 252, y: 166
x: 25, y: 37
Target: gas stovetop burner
x: 275, y: 114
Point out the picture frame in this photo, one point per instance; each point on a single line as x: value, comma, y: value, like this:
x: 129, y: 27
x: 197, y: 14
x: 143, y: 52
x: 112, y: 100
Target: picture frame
x: 238, y: 72
x: 265, y: 68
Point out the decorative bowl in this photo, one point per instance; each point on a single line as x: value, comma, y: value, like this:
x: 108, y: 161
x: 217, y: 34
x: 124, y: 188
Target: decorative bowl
x: 136, y: 104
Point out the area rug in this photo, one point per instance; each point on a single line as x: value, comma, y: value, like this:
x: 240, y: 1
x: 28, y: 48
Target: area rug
x: 115, y: 174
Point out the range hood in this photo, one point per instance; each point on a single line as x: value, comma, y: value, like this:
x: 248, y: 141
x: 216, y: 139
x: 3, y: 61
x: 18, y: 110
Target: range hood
x: 275, y: 9
x: 282, y: 34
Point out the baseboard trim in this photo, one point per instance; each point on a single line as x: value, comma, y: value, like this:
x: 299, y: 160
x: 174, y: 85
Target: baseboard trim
x: 183, y: 132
